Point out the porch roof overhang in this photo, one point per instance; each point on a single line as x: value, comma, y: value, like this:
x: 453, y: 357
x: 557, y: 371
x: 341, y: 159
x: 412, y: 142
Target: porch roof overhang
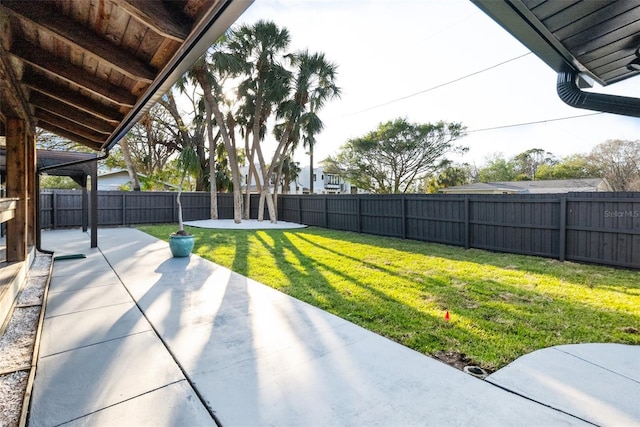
x: 88, y: 71
x: 598, y: 39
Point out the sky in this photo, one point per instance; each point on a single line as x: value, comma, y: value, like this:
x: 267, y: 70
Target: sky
x: 389, y: 54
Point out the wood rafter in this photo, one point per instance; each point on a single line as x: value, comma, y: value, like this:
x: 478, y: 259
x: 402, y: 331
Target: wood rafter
x: 69, y: 125
x: 17, y: 97
x: 49, y: 64
x: 162, y: 20
x: 43, y: 15
x: 64, y: 110
x: 70, y: 135
x: 74, y: 99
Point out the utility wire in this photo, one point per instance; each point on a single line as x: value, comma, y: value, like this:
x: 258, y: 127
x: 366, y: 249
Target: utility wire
x: 534, y: 123
x: 439, y: 86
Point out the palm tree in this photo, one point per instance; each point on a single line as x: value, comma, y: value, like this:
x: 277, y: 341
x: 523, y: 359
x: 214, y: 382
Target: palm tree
x: 209, y: 72
x: 290, y: 171
x: 260, y: 47
x: 314, y: 86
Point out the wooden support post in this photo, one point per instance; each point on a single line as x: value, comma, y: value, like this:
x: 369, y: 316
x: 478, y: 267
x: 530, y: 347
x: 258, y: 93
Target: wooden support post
x: 17, y: 187
x: 94, y: 204
x: 85, y: 205
x: 31, y: 190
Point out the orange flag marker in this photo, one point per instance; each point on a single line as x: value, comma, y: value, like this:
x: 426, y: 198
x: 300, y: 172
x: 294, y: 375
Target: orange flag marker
x: 447, y: 316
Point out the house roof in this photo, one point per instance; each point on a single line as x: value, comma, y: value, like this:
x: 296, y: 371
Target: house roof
x: 596, y: 38
x: 118, y: 172
x: 88, y: 70
x: 532, y: 187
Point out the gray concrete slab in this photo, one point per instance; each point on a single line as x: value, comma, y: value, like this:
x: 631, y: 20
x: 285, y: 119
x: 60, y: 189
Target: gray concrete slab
x: 85, y: 299
x: 81, y: 280
x: 259, y: 357
x: 619, y: 358
x: 79, y: 382
x: 173, y: 405
x: 87, y: 327
x: 70, y: 267
x: 595, y: 382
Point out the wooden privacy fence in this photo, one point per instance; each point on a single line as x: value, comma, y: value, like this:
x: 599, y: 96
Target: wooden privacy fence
x: 602, y: 228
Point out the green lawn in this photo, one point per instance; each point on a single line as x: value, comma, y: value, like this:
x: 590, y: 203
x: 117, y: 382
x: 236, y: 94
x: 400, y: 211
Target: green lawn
x: 501, y: 305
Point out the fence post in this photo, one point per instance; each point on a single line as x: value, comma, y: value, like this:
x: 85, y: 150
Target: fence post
x: 359, y: 199
x: 124, y: 208
x: 174, y: 208
x: 54, y: 209
x: 563, y: 229
x: 404, y: 216
x: 299, y: 209
x: 326, y: 212
x: 467, y: 225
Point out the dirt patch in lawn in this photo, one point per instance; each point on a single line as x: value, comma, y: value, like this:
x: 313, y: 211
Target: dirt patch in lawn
x: 456, y: 360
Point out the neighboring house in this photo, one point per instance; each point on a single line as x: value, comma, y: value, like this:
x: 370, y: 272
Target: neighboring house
x: 323, y: 183
x: 114, y: 180
x: 532, y: 187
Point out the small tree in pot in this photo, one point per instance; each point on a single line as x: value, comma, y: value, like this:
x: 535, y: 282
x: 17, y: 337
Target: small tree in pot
x: 181, y: 242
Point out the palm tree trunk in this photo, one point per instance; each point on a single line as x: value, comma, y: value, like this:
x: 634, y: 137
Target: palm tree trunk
x: 250, y: 174
x: 266, y: 192
x: 311, y: 168
x: 230, y: 146
x: 213, y: 188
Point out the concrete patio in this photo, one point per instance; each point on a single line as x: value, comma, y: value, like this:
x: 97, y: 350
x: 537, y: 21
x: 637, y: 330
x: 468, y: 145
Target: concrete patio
x: 135, y: 337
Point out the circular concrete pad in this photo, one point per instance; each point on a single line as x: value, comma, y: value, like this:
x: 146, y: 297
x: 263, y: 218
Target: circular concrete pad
x: 246, y: 224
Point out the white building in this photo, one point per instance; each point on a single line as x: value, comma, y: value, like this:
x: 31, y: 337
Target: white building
x: 323, y: 183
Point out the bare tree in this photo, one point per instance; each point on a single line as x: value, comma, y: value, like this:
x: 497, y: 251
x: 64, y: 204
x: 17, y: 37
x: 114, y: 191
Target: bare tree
x: 619, y: 162
x: 133, y: 175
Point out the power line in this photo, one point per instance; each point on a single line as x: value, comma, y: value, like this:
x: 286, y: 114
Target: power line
x: 534, y: 123
x: 439, y: 86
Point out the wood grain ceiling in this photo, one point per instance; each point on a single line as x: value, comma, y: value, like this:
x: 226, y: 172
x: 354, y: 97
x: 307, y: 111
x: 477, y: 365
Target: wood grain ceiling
x: 85, y: 69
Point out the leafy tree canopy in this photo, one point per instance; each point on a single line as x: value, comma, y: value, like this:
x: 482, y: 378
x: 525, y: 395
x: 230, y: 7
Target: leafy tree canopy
x: 497, y: 170
x: 396, y: 156
x: 619, y: 162
x: 575, y: 166
x: 450, y: 176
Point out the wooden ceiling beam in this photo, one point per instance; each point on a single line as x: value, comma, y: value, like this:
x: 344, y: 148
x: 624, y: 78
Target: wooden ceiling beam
x: 68, y: 125
x: 17, y: 98
x: 48, y: 63
x: 43, y: 15
x: 59, y: 108
x: 70, y: 136
x: 159, y: 18
x: 72, y: 98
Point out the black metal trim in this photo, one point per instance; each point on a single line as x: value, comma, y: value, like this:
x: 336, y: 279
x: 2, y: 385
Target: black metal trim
x: 570, y: 93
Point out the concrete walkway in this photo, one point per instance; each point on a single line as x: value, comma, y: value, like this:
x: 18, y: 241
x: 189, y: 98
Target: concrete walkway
x: 135, y: 337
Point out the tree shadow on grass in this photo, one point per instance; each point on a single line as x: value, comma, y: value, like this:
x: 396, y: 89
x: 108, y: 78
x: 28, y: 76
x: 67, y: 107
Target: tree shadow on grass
x: 494, y: 321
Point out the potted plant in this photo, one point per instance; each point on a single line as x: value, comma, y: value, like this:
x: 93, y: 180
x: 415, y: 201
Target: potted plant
x: 181, y: 242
